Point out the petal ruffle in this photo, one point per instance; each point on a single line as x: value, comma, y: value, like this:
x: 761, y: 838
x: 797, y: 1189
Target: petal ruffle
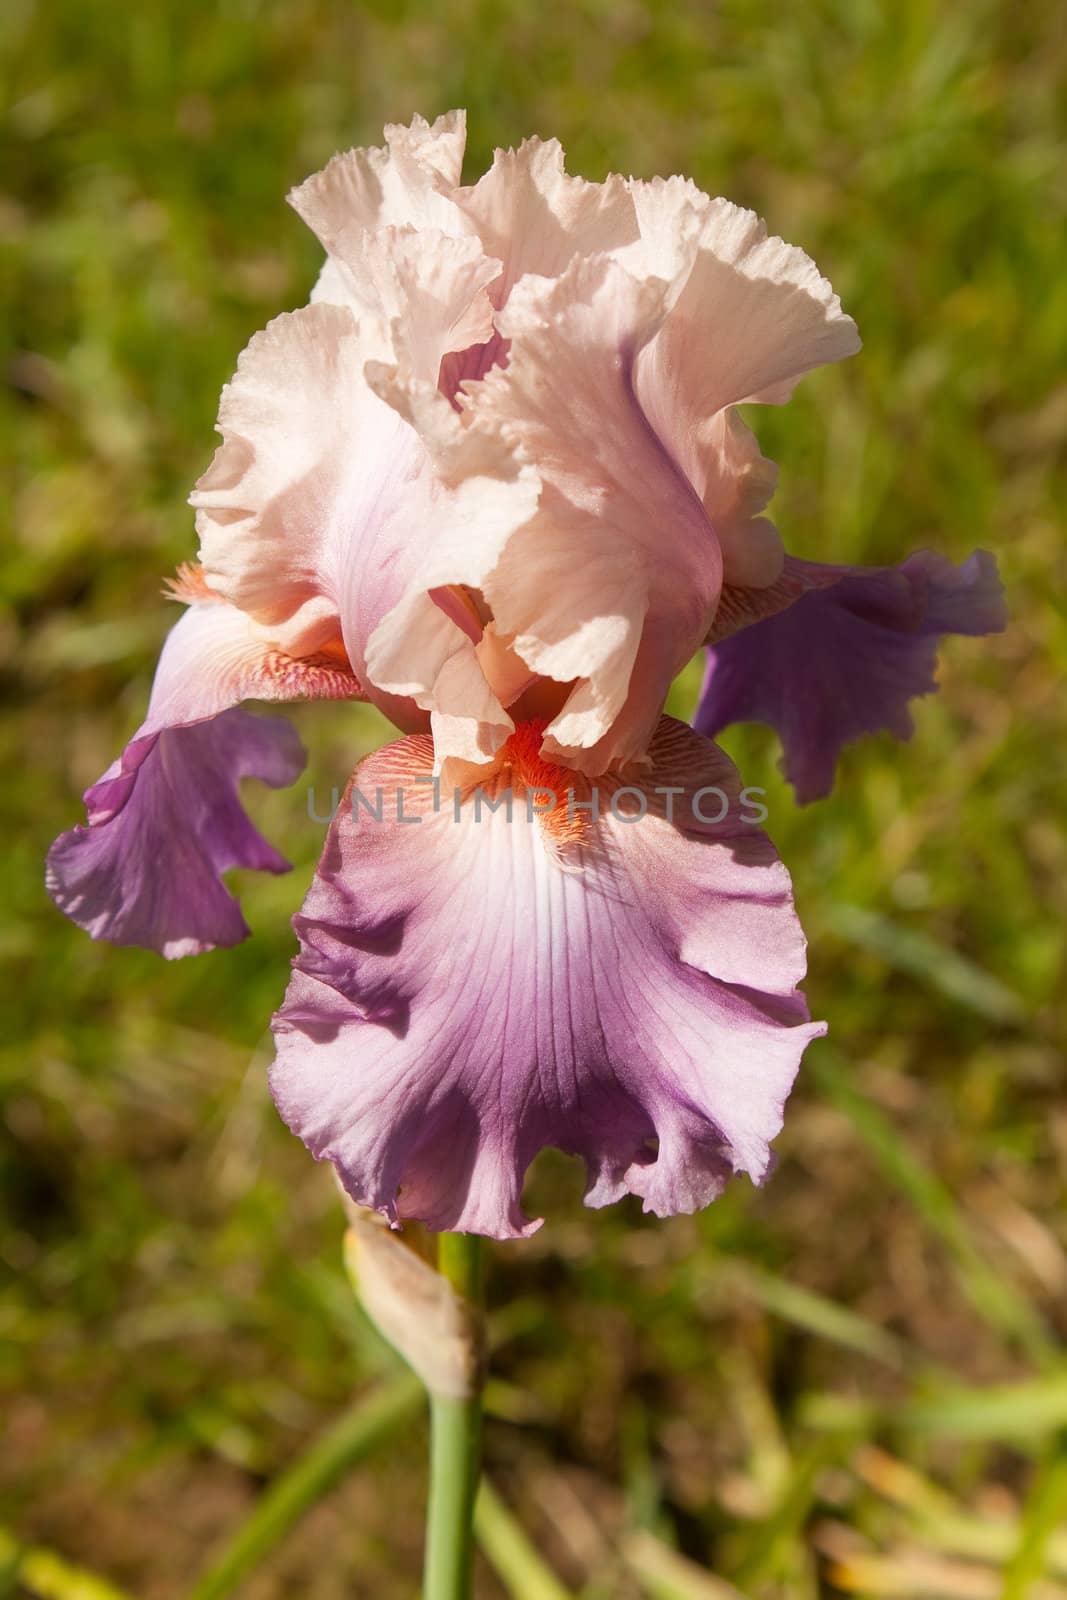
x: 630, y: 316
x: 405, y: 183
x: 306, y: 454
x: 535, y: 218
x: 620, y: 554
x: 417, y: 294
x: 750, y: 315
x: 165, y: 820
x: 845, y: 651
x: 462, y: 999
x: 325, y: 498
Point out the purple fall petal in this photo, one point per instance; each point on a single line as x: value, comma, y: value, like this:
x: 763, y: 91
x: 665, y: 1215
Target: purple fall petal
x: 466, y: 995
x: 845, y: 657
x: 165, y: 819
x: 165, y: 822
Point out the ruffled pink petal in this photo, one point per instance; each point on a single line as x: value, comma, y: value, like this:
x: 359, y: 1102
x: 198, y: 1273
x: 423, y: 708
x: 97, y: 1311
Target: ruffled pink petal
x: 831, y: 653
x: 417, y: 294
x: 406, y: 182
x: 754, y: 315
x: 306, y: 457
x: 343, y: 472
x: 468, y: 992
x: 165, y: 820
x: 749, y: 316
x: 463, y: 510
x: 620, y: 551
x: 535, y: 218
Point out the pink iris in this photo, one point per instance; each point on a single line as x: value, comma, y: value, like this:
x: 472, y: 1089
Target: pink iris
x: 492, y: 479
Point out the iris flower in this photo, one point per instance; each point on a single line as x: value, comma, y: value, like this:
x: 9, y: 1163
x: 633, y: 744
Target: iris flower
x: 493, y: 480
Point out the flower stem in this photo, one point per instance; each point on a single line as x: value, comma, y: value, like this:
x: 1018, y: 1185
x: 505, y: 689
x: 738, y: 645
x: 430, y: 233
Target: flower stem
x: 455, y: 1448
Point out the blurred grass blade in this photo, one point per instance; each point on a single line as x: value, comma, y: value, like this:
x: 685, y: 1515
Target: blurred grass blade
x: 903, y: 1484
x: 510, y: 1553
x: 1011, y: 1412
x: 918, y: 1575
x: 921, y: 957
x: 937, y: 1518
x: 666, y: 1575
x: 770, y: 1539
x: 1030, y: 1409
x: 993, y: 1296
x: 813, y: 1312
x: 1045, y: 1512
x: 373, y: 1419
x: 33, y: 1570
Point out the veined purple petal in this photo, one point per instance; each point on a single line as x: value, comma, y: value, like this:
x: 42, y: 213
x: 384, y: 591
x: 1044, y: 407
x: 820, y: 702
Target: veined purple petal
x: 846, y: 656
x: 147, y: 869
x: 165, y: 820
x: 469, y: 990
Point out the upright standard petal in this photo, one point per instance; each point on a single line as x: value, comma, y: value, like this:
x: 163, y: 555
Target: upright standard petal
x: 165, y: 820
x: 844, y: 651
x: 591, y: 336
x: 406, y: 182
x: 293, y: 480
x: 749, y: 316
x: 620, y: 557
x: 479, y: 980
x: 535, y: 218
x: 324, y: 499
x: 620, y: 382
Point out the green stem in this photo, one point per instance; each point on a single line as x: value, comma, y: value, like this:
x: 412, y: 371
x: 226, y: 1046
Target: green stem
x: 455, y: 1448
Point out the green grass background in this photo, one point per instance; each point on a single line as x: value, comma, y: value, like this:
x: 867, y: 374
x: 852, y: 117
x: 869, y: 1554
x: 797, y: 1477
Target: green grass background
x: 851, y: 1382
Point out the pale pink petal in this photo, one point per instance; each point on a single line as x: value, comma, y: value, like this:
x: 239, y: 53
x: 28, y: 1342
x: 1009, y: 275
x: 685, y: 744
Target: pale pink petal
x: 417, y: 294
x: 621, y: 547
x: 323, y: 498
x: 749, y: 316
x: 754, y: 315
x: 407, y: 182
x: 535, y: 218
x: 307, y: 449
